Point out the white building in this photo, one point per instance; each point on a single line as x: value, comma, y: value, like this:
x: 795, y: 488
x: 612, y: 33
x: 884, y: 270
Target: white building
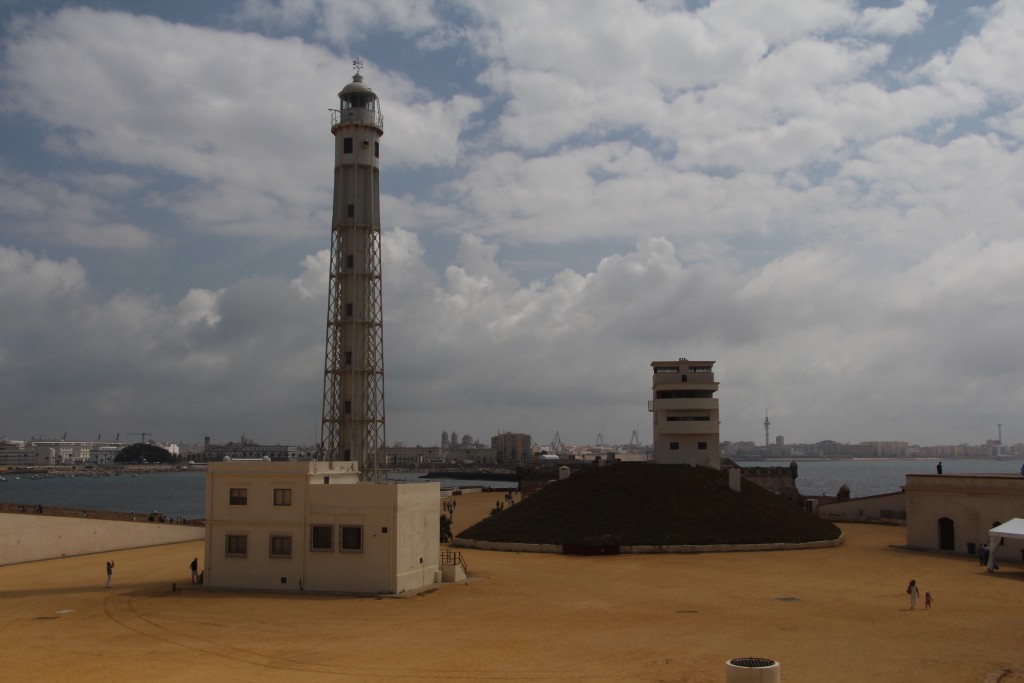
x: 17, y: 454
x: 954, y: 512
x: 685, y: 413
x: 314, y: 526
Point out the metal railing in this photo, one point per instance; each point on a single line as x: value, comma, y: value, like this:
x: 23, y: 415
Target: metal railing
x: 454, y: 557
x: 367, y: 116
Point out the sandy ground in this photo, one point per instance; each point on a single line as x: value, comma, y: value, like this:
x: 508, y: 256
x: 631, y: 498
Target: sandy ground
x: 528, y: 617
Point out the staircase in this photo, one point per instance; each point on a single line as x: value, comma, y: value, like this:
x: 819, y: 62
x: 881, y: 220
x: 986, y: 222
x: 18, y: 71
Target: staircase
x: 453, y: 566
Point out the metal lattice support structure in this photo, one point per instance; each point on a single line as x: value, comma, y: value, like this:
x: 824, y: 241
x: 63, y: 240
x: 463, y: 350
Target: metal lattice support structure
x: 353, y: 408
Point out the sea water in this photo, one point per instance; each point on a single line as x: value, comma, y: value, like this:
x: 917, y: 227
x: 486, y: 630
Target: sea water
x: 871, y: 477
x: 182, y: 494
x: 175, y: 494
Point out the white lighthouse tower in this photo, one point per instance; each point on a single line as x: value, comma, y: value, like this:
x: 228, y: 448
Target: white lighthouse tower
x: 353, y: 409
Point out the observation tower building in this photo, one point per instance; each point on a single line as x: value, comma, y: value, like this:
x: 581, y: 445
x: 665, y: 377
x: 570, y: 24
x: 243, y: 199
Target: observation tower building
x: 352, y: 427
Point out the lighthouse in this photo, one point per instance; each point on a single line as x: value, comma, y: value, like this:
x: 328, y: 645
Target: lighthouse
x: 352, y: 427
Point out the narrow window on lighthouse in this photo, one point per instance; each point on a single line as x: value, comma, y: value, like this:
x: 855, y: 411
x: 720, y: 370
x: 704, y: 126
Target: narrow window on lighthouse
x: 347, y: 146
x: 348, y: 309
x: 351, y: 210
x: 376, y: 149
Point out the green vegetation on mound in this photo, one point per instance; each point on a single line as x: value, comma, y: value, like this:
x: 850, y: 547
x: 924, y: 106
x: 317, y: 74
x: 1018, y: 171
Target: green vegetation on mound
x: 139, y: 453
x: 647, y: 504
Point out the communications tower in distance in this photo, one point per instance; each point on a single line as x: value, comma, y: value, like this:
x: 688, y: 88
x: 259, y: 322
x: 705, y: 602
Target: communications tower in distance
x: 353, y: 409
x: 767, y: 424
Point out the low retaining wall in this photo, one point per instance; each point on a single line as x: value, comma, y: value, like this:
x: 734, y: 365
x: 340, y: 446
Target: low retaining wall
x: 513, y: 547
x: 649, y: 549
x: 28, y: 538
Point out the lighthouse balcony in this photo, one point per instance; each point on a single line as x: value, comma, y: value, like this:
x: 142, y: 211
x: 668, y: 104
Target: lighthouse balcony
x: 358, y: 116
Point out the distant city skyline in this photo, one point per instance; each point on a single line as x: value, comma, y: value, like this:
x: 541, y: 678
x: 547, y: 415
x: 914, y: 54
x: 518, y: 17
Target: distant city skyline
x: 484, y: 441
x: 821, y: 196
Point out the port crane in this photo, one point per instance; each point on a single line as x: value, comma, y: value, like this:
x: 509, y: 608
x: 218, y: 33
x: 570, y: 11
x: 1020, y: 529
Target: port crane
x: 141, y: 434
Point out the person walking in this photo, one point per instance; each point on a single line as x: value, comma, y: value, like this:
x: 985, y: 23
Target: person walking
x: 927, y: 600
x: 194, y: 566
x: 913, y: 592
x: 110, y: 571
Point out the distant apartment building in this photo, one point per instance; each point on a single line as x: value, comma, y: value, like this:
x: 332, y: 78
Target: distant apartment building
x: 313, y: 526
x: 472, y: 455
x: 67, y: 452
x: 17, y: 453
x: 411, y: 457
x: 77, y: 452
x: 248, y: 449
x: 512, y: 448
x: 685, y: 413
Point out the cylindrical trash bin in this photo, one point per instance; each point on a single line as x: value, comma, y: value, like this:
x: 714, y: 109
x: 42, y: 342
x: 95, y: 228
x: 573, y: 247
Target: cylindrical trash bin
x: 752, y: 670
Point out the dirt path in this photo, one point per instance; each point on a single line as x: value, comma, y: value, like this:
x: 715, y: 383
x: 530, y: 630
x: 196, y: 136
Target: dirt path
x: 832, y: 615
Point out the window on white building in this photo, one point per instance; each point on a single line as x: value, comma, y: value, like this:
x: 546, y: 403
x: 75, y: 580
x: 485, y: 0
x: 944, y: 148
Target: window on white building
x: 352, y: 539
x: 236, y: 545
x: 281, y: 546
x: 321, y: 537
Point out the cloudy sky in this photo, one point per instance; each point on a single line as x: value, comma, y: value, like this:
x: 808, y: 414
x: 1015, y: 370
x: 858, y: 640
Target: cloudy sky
x: 822, y: 196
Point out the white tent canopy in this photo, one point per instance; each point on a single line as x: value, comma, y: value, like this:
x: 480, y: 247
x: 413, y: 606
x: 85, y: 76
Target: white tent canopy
x: 1012, y: 529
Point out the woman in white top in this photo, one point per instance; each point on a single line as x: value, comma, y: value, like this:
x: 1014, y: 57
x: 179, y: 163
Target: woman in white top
x: 913, y: 592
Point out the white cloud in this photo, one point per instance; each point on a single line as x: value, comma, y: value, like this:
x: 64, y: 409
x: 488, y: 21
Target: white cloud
x: 241, y: 117
x: 990, y: 58
x: 341, y: 21
x: 208, y: 362
x: 894, y: 21
x: 75, y: 209
x: 837, y: 233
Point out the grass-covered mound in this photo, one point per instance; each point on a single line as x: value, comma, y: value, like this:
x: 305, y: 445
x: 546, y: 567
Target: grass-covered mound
x: 647, y: 504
